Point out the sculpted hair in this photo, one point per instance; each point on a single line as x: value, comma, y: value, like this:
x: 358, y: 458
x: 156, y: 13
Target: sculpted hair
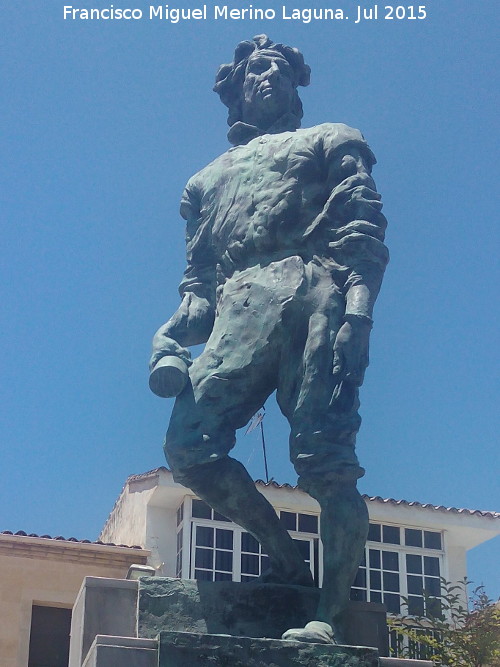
x: 229, y: 78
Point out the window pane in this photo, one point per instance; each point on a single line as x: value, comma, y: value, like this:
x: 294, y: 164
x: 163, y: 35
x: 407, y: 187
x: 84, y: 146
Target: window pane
x: 223, y: 576
x: 414, y: 564
x: 432, y: 540
x: 415, y: 585
x: 391, y: 581
x: 392, y: 603
x: 431, y: 566
x: 360, y: 580
x: 223, y: 538
x: 308, y: 523
x: 390, y: 534
x: 180, y: 513
x: 249, y: 564
x: 201, y: 575
x: 358, y: 595
x: 415, y: 606
x: 201, y: 510
x: 224, y: 561
x: 304, y: 548
x: 204, y: 558
x: 374, y: 533
x: 375, y: 580
x: 434, y: 609
x: 178, y: 566
x: 288, y: 520
x: 204, y: 536
x: 220, y: 517
x: 413, y: 538
x: 374, y: 558
x: 249, y: 543
x: 247, y: 577
x: 432, y: 586
x: 390, y: 560
x: 375, y: 596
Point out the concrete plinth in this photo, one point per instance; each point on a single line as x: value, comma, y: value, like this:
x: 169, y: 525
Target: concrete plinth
x: 180, y: 649
x: 103, y: 607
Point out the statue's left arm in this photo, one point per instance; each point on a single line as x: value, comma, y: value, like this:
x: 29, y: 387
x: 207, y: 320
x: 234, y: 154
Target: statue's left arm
x: 357, y: 229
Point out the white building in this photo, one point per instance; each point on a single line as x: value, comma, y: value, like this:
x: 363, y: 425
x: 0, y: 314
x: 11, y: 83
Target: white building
x: 410, y: 544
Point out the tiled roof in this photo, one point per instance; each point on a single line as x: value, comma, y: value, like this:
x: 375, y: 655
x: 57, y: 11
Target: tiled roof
x: 377, y: 499
x: 21, y: 533
x: 441, y: 508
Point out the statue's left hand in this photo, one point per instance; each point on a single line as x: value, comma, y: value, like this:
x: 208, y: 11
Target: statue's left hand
x: 350, y: 352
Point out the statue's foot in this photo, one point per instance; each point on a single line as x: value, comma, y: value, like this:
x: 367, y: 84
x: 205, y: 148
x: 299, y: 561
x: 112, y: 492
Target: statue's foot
x: 315, y: 632
x: 302, y: 577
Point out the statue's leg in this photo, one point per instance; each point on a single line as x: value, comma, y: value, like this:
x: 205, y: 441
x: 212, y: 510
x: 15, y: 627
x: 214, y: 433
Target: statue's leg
x: 228, y: 383
x: 323, y: 433
x: 344, y: 528
x: 227, y: 487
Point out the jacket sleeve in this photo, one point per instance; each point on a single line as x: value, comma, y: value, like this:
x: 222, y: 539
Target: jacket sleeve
x: 356, y: 226
x: 192, y: 322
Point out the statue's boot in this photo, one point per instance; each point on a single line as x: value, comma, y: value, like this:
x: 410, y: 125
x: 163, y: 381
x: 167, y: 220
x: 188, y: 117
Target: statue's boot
x: 315, y: 632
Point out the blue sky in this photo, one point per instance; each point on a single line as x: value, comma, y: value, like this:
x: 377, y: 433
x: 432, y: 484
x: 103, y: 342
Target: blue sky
x: 102, y: 124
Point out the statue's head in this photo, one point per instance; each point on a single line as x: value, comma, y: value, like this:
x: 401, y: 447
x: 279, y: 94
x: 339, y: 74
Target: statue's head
x: 260, y: 85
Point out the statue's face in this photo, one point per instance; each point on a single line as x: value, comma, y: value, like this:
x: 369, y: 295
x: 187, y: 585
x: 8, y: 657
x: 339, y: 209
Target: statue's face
x: 268, y: 88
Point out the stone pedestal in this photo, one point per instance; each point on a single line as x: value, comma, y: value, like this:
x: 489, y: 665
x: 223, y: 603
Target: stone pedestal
x: 160, y: 622
x: 247, y: 610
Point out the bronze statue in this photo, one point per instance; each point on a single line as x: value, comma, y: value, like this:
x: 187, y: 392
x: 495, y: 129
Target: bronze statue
x: 285, y: 260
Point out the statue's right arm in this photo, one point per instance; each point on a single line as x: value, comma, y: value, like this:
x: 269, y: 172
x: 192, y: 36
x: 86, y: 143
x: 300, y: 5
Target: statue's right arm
x: 192, y: 322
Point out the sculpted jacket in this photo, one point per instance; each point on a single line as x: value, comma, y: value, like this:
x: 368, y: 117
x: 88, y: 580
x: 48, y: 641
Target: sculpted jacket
x: 278, y: 195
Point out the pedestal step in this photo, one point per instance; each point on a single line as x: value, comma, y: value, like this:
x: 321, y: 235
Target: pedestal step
x: 179, y: 649
x: 109, y: 651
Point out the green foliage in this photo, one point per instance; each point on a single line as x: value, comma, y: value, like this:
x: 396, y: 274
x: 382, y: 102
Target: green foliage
x: 451, y: 634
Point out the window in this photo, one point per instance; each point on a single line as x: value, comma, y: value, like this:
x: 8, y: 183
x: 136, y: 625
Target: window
x: 222, y: 551
x: 383, y: 533
x: 179, y: 540
x: 49, y: 637
x: 299, y: 523
x: 201, y: 510
x: 383, y: 578
x: 408, y: 568
x: 253, y: 559
x: 213, y: 553
x: 423, y: 575
x: 422, y: 538
x: 178, y: 559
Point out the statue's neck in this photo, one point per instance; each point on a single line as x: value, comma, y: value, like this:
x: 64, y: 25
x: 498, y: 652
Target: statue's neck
x: 241, y: 133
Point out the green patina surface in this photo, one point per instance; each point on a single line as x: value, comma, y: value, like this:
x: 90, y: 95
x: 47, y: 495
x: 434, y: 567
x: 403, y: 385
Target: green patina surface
x: 178, y: 649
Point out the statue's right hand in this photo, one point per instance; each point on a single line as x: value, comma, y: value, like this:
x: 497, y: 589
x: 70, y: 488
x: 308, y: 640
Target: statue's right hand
x: 165, y: 346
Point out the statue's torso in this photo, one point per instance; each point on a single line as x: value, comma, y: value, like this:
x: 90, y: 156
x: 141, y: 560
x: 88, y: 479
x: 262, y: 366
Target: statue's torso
x: 257, y: 200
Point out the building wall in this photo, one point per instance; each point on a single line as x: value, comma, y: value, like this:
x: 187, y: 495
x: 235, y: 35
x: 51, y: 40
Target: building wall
x: 48, y: 573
